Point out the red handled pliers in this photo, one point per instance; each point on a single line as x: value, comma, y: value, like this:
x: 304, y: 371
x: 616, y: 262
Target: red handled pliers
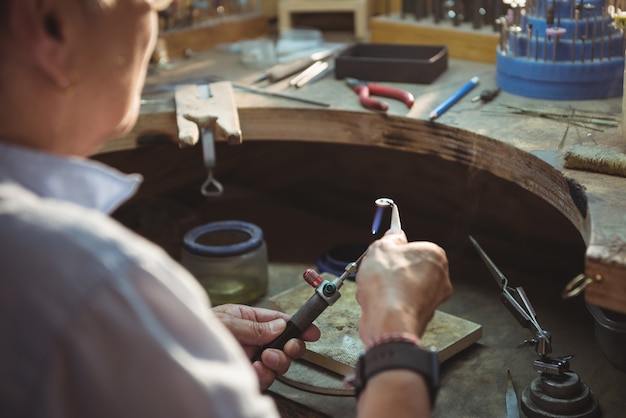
x: 365, y: 89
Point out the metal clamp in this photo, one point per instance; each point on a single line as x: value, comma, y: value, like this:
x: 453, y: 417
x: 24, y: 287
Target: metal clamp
x: 211, y: 187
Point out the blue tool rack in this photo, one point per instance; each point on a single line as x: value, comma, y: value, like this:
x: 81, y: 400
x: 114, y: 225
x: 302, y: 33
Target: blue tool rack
x: 586, y: 62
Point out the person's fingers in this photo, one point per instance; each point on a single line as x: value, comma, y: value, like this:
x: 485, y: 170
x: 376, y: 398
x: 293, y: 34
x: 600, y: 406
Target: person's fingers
x: 255, y: 333
x: 250, y: 313
x: 294, y: 348
x: 395, y: 234
x: 261, y: 333
x: 312, y: 333
x: 262, y: 314
x: 266, y: 376
x: 276, y: 360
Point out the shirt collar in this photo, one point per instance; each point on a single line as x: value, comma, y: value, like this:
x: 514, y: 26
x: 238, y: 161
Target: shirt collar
x: 79, y: 180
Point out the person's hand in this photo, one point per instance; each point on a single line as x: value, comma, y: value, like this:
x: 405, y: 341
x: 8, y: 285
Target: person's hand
x: 399, y: 286
x: 255, y: 327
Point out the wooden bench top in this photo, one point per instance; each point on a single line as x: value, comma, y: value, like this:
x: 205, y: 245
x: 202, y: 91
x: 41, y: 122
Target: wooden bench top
x: 522, y: 148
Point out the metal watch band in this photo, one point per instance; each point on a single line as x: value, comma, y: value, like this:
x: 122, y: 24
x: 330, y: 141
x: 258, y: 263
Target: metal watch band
x: 398, y: 355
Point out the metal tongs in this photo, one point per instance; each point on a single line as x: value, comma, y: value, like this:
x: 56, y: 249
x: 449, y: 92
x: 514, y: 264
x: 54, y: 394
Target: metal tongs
x: 519, y: 305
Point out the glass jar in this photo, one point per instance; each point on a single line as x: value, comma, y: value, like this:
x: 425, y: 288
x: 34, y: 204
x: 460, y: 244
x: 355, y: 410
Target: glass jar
x: 229, y: 259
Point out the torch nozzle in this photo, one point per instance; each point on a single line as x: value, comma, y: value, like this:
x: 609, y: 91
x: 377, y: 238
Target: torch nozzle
x: 381, y: 204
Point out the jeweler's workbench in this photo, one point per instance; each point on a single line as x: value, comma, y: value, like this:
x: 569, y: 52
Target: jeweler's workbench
x: 478, y: 169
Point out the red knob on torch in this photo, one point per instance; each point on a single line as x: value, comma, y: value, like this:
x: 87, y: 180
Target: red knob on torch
x: 312, y: 277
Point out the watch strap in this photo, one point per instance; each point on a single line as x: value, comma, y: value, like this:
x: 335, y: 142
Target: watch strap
x: 398, y: 355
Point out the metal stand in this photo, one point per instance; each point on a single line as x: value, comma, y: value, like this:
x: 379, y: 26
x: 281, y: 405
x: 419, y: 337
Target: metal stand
x: 565, y: 395
x: 558, y: 392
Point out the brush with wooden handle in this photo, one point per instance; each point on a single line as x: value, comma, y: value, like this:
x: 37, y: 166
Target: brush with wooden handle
x: 598, y: 160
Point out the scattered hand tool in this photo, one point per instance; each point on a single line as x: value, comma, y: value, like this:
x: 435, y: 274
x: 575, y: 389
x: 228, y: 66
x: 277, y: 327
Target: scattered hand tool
x: 326, y: 294
x: 324, y: 73
x: 257, y: 90
x: 596, y: 159
x: 160, y: 88
x: 365, y: 89
x: 308, y: 74
x: 486, y: 95
x: 450, y: 101
x: 281, y: 71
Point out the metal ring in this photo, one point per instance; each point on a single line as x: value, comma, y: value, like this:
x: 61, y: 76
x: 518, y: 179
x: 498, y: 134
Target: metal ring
x: 384, y: 202
x: 579, y: 284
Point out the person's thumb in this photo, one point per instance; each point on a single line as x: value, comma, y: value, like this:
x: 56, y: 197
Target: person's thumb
x: 268, y: 331
x: 395, y: 234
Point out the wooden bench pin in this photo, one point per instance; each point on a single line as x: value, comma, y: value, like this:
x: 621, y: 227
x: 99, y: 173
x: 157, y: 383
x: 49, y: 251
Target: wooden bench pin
x: 207, y: 112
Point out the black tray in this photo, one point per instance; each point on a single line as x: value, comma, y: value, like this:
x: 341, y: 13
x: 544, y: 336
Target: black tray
x: 392, y: 62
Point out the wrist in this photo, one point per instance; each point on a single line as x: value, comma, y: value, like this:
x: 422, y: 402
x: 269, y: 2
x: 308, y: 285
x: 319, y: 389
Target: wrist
x: 391, y: 321
x: 398, y: 352
x: 393, y: 391
x: 388, y: 337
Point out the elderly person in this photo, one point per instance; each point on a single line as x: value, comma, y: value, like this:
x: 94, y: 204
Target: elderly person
x: 97, y: 322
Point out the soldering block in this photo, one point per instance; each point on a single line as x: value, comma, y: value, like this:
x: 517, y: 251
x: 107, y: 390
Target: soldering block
x: 398, y: 63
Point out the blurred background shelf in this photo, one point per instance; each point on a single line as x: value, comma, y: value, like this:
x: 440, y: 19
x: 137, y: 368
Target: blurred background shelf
x: 463, y: 41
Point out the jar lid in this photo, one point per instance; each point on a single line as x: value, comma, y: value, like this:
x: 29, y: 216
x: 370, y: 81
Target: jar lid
x: 223, y: 238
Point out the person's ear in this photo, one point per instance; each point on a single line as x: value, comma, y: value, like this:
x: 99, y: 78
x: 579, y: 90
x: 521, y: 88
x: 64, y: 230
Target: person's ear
x: 37, y: 26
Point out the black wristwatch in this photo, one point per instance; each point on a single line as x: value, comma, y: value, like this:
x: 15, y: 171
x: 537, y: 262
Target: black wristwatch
x: 398, y: 355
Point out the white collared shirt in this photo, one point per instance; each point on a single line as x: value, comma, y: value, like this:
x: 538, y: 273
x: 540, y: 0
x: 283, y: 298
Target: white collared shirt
x: 96, y: 321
